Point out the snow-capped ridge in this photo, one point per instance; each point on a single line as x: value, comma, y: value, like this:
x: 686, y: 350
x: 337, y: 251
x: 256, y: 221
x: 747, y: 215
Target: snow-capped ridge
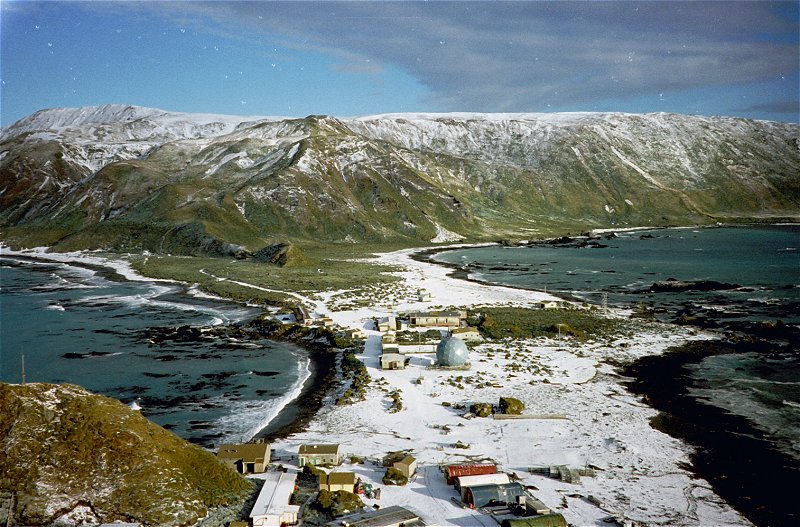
x: 120, y: 122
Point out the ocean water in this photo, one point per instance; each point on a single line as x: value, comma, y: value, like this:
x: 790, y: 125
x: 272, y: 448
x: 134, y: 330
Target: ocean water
x: 73, y: 325
x: 760, y: 385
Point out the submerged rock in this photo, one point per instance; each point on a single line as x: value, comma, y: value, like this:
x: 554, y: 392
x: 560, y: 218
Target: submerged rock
x: 671, y: 285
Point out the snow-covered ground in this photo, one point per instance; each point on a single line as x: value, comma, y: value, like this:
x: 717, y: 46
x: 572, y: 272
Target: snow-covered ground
x: 640, y: 476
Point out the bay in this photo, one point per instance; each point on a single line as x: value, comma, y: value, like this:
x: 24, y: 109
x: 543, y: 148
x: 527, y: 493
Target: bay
x: 736, y: 400
x: 762, y: 262
x: 73, y: 325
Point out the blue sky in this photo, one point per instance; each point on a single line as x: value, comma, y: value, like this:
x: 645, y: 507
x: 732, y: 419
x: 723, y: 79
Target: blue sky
x: 357, y: 58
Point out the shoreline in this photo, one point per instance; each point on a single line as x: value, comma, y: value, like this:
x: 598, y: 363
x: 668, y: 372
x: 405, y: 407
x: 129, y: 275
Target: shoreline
x: 729, y: 452
x: 734, y: 463
x: 458, y: 273
x: 301, y: 420
x: 293, y: 415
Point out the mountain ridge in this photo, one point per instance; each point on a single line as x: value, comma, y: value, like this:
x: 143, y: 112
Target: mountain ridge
x: 130, y: 177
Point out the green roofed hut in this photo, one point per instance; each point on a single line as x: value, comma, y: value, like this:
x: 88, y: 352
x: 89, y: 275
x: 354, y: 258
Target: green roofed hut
x: 483, y: 495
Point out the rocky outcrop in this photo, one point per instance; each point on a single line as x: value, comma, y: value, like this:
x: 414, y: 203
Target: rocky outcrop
x: 70, y: 457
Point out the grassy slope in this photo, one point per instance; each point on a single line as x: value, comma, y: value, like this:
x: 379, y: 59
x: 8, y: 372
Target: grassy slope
x: 329, y: 268
x: 63, y: 447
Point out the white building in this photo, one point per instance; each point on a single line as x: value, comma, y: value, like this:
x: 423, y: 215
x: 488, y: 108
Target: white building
x: 272, y: 507
x: 465, y: 482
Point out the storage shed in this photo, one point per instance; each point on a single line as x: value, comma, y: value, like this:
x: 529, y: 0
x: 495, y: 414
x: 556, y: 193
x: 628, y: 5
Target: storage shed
x: 393, y: 361
x: 407, y: 466
x: 451, y: 472
x: 464, y: 482
x: 483, y: 495
x: 246, y: 458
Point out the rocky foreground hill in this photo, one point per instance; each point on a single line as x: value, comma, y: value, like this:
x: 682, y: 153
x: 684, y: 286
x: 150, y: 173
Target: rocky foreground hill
x: 69, y: 457
x: 137, y: 178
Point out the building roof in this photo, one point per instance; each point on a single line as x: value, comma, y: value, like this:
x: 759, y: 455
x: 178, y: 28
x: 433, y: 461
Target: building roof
x: 247, y: 452
x: 502, y: 492
x: 454, y: 471
x: 481, y: 479
x: 274, y: 496
x: 338, y: 478
x: 318, y: 449
x: 394, y: 515
x: 435, y: 314
x: 407, y: 460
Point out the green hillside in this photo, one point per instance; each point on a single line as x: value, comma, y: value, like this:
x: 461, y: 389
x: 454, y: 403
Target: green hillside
x: 409, y: 180
x: 67, y: 455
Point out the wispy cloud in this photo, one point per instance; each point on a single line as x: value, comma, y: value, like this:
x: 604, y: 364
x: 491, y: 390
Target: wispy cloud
x: 504, y: 56
x: 783, y: 107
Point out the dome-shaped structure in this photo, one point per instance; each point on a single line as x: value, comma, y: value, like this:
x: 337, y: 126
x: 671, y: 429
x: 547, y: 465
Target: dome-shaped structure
x: 452, y: 351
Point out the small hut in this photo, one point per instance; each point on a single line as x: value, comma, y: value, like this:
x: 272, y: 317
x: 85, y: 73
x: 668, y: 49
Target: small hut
x: 407, y: 466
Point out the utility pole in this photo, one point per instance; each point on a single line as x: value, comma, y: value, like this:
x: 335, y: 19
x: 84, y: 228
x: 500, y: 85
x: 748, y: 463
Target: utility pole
x: 605, y: 303
x: 23, y: 368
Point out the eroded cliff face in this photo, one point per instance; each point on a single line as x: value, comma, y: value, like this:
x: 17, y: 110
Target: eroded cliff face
x: 69, y: 457
x: 134, y: 178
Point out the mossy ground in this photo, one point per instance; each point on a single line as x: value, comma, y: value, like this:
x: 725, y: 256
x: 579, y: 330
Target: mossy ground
x: 332, y: 268
x: 515, y: 322
x: 64, y: 447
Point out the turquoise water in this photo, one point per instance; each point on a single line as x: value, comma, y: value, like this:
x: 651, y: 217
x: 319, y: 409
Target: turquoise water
x: 74, y: 326
x: 762, y: 386
x: 765, y: 261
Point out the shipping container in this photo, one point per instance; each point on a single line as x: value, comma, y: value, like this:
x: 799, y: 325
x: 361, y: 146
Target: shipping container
x: 451, y: 472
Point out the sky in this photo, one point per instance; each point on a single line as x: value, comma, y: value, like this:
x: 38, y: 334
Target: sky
x: 731, y: 58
